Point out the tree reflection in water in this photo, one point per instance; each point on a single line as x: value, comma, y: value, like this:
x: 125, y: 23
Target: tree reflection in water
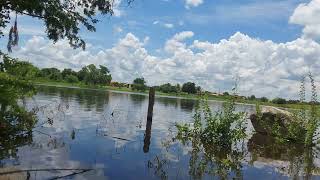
x: 291, y: 159
x: 16, y: 123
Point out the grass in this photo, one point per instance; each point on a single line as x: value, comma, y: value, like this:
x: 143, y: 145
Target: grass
x: 45, y: 82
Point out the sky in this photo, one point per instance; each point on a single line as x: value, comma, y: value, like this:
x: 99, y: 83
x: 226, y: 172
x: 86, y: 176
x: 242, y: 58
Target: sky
x: 268, y: 46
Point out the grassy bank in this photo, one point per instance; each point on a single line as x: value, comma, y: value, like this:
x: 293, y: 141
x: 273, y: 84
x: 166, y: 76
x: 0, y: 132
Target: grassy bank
x: 182, y: 95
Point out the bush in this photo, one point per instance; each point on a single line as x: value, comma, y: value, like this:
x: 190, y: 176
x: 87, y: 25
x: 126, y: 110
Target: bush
x: 72, y: 79
x: 139, y: 84
x: 279, y: 101
x: 189, y: 88
x: 139, y: 87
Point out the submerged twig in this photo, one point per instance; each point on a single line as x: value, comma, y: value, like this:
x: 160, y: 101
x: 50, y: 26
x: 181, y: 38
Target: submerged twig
x: 117, y: 138
x: 36, y: 170
x: 72, y: 174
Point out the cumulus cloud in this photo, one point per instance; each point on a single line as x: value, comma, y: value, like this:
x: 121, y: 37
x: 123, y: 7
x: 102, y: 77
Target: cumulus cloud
x: 117, y: 29
x: 192, y: 3
x: 265, y: 68
x: 116, y: 8
x: 308, y: 15
x: 163, y: 24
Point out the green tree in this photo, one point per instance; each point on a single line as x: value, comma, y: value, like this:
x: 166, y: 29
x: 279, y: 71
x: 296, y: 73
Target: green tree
x: 21, y: 69
x: 168, y: 88
x: 51, y: 73
x: 62, y: 19
x: 67, y: 72
x: 178, y: 87
x: 189, y: 88
x: 92, y: 75
x: 279, y: 101
x: 264, y: 99
x: 198, y: 89
x: 252, y: 97
x: 72, y: 78
x: 139, y: 84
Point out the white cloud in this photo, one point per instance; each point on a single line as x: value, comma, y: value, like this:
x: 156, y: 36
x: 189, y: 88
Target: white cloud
x: 265, y: 68
x: 117, y: 29
x: 168, y: 25
x: 308, y: 15
x: 192, y: 3
x: 116, y: 8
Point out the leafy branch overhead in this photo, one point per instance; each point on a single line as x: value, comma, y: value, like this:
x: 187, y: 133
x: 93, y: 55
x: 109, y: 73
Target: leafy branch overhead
x: 62, y: 19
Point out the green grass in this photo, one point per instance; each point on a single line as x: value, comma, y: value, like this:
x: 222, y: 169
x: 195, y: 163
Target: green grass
x: 46, y: 82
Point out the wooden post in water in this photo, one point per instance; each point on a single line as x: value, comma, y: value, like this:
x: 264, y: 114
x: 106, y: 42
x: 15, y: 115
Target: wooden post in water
x: 151, y: 103
x: 147, y: 135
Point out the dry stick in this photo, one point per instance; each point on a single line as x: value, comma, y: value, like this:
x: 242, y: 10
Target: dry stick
x: 118, y: 138
x: 72, y: 174
x: 36, y: 170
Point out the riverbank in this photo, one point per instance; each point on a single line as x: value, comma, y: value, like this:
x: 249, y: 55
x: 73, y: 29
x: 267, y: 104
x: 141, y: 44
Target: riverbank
x: 173, y: 95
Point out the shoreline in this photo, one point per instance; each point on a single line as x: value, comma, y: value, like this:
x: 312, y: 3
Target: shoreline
x: 146, y: 94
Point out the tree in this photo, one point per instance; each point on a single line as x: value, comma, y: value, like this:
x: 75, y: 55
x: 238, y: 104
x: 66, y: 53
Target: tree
x: 252, y: 97
x: 226, y: 94
x: 71, y: 78
x: 198, y: 89
x: 51, y: 73
x: 20, y: 69
x: 92, y: 75
x: 279, y: 101
x: 139, y: 84
x: 189, y: 88
x: 178, y: 87
x: 67, y: 72
x: 62, y: 19
x: 264, y: 99
x: 168, y: 88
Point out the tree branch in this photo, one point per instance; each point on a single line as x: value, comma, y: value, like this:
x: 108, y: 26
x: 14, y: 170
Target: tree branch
x: 32, y: 170
x: 32, y: 15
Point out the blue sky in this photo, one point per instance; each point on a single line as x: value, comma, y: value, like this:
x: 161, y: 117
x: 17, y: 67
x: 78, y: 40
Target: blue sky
x: 269, y: 44
x: 210, y: 21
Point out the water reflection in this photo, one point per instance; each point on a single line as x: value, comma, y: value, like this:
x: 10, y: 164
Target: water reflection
x: 187, y: 104
x: 293, y: 160
x: 108, y: 132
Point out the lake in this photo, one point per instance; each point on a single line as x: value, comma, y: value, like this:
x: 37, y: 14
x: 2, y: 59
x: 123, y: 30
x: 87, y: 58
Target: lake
x: 91, y: 134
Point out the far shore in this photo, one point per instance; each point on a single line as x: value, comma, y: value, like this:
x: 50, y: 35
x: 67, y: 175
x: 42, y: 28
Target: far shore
x: 161, y: 94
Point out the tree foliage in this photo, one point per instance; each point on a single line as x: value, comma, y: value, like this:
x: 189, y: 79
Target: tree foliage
x: 189, y: 88
x: 92, y: 75
x: 279, y: 101
x: 168, y: 88
x: 21, y: 69
x: 51, y: 73
x: 62, y: 19
x: 139, y: 84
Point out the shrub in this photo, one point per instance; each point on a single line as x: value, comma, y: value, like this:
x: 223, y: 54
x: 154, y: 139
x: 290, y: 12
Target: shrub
x: 279, y: 101
x: 72, y: 79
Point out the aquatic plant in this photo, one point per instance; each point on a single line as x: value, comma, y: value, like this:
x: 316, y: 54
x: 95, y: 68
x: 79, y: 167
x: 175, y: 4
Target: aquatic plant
x: 221, y: 128
x: 214, y: 138
x: 299, y: 126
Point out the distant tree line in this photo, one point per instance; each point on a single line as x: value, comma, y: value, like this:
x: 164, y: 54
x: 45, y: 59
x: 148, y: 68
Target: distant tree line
x: 90, y: 74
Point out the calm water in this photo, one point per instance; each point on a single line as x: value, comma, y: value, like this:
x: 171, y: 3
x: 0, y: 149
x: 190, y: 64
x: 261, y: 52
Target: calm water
x: 105, y: 132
